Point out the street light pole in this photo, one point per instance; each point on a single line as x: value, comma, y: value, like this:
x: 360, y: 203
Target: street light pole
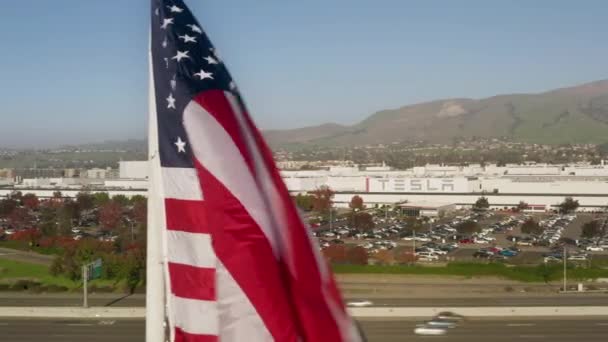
x: 565, y: 279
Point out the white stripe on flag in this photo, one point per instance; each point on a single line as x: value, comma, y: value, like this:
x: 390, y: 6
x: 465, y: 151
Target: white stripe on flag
x: 195, y: 316
x: 192, y: 249
x: 239, y: 321
x: 181, y: 183
x: 209, y: 140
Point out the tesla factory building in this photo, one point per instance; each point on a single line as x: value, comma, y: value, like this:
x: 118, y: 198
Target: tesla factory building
x: 543, y: 186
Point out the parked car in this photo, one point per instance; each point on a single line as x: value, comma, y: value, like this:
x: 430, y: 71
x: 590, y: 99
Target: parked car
x: 594, y: 249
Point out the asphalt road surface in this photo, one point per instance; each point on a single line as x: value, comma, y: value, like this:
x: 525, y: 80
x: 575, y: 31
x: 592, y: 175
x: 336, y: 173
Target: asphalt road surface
x: 23, y: 256
x: 562, y: 300
x: 114, y: 300
x: 554, y: 330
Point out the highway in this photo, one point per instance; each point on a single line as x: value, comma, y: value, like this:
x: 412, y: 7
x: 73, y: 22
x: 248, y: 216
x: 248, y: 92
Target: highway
x: 75, y: 299
x: 562, y: 330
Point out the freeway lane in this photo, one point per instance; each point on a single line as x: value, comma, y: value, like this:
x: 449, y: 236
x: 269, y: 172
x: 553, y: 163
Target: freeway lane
x: 562, y: 330
x: 554, y: 300
x: 75, y: 299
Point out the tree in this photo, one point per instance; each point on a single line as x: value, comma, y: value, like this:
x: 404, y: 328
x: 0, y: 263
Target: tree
x: 19, y: 217
x: 85, y: 200
x: 335, y: 254
x: 522, y: 206
x: 66, y: 214
x: 48, y: 220
x: 592, y: 229
x: 101, y: 198
x: 135, y: 199
x: 481, y: 203
x: 384, y: 257
x: 531, y: 227
x: 357, y: 255
x: 304, y: 202
x: 404, y: 256
x: 356, y: 203
x: 468, y: 227
x: 30, y: 201
x: 7, y: 206
x: 363, y: 221
x: 122, y: 200
x: 322, y: 199
x: 110, y: 215
x: 568, y: 205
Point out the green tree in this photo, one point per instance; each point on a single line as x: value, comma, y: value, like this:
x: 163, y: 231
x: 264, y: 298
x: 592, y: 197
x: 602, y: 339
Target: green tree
x: 592, y: 229
x: 481, y: 203
x: 85, y: 200
x: 468, y: 227
x: 568, y: 205
x: 304, y: 202
x: 101, y: 198
x: 531, y: 227
x: 522, y: 206
x: 122, y: 200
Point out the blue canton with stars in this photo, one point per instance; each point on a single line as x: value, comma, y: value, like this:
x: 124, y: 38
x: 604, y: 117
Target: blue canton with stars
x: 184, y: 64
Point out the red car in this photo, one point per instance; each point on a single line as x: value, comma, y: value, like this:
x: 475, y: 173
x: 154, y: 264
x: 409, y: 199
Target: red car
x: 465, y: 241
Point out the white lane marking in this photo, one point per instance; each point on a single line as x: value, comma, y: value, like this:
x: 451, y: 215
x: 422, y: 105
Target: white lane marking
x: 532, y: 336
x: 601, y: 323
x: 521, y: 324
x: 3, y: 324
x: 106, y: 322
x: 79, y: 324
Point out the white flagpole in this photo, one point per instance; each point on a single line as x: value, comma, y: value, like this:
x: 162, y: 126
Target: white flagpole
x: 155, y: 284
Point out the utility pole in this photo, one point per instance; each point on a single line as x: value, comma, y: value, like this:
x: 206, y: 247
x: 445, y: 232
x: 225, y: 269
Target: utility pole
x: 565, y: 257
x: 414, y: 241
x: 331, y: 223
x: 85, y: 278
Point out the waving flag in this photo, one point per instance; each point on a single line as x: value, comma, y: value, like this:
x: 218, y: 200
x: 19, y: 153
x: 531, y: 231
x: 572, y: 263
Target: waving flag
x: 239, y: 263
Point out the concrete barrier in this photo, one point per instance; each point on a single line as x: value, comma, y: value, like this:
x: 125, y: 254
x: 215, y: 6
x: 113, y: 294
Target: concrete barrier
x: 370, y: 312
x: 72, y: 312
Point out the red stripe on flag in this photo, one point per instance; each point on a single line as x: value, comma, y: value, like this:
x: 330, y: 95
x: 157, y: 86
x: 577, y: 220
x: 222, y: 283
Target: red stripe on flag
x: 182, y: 336
x: 315, y: 295
x: 244, y: 250
x: 184, y: 215
x: 192, y: 282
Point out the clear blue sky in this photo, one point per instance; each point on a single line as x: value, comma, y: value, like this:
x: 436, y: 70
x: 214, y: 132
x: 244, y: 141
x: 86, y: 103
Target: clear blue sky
x: 76, y: 70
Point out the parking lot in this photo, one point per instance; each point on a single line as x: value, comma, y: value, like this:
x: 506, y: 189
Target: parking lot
x: 478, y: 236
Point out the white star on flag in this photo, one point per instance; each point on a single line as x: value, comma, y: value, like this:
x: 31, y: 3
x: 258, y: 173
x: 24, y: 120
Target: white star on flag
x: 181, y: 145
x: 210, y: 60
x: 187, y: 38
x: 171, y: 101
x: 195, y: 28
x: 175, y: 9
x: 181, y: 55
x: 203, y: 74
x: 166, y: 23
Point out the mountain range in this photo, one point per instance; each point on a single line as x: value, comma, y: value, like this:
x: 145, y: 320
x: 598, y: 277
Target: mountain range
x: 577, y: 114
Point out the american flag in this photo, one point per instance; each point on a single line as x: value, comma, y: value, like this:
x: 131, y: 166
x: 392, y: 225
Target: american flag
x: 240, y: 263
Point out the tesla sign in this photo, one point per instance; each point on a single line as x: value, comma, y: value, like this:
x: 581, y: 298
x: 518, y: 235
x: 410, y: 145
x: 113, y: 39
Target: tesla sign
x: 417, y: 185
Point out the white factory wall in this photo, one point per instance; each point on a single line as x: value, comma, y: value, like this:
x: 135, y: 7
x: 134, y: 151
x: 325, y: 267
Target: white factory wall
x: 505, y: 185
x: 418, y: 185
x: 342, y: 199
x: 346, y: 183
x: 133, y: 169
x: 126, y: 183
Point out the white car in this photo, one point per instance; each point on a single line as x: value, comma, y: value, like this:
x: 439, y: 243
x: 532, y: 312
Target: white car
x: 595, y: 249
x: 577, y: 258
x: 429, y: 330
x: 427, y: 255
x: 360, y: 303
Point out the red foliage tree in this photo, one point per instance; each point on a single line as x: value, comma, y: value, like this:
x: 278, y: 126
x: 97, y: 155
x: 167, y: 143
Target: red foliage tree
x: 363, y: 222
x: 335, y: 254
x: 322, y: 199
x: 30, y: 201
x: 140, y: 212
x: 110, y: 215
x: 356, y: 203
x: 19, y: 217
x: 357, y: 256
